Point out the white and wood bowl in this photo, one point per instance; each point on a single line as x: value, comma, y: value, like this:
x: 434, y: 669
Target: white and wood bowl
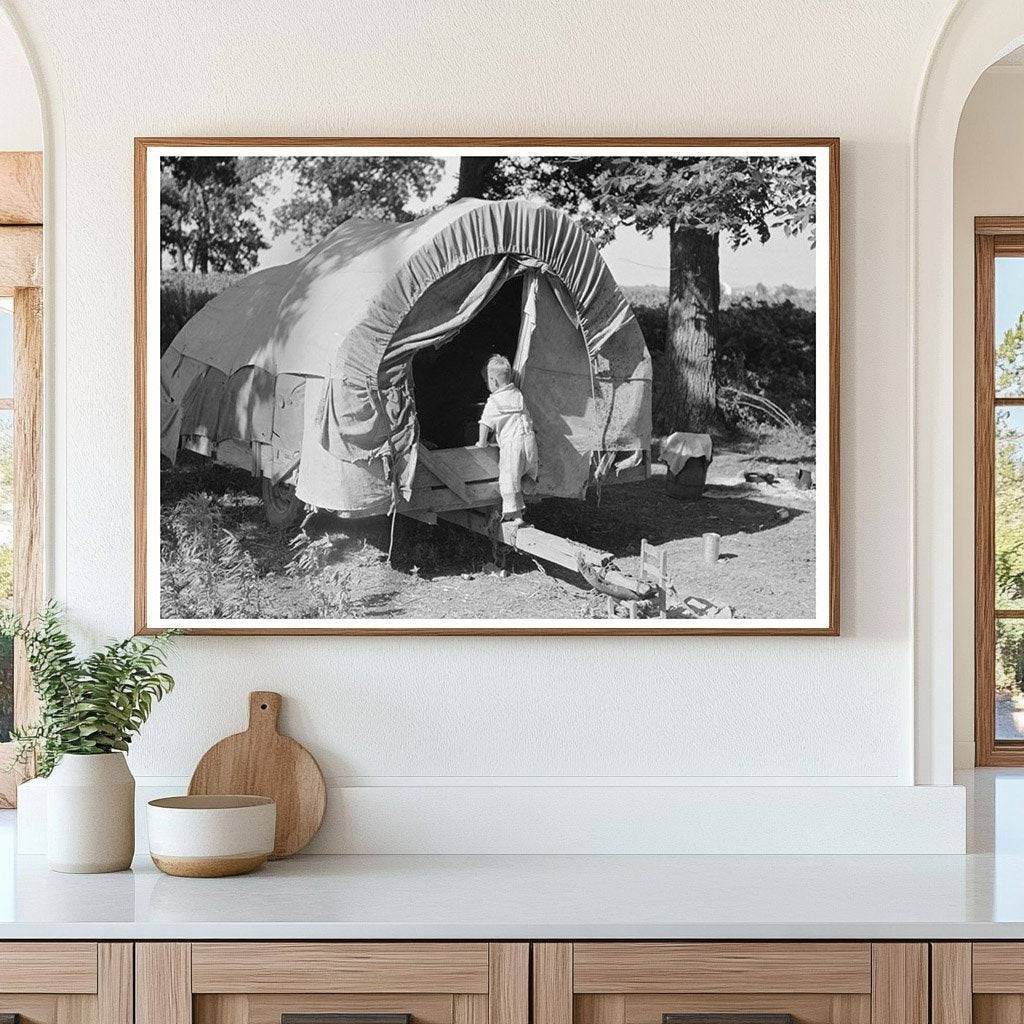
x: 211, y: 836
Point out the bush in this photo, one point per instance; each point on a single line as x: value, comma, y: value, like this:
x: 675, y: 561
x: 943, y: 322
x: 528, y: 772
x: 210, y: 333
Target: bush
x: 205, y: 573
x: 769, y: 350
x: 182, y: 295
x: 766, y: 348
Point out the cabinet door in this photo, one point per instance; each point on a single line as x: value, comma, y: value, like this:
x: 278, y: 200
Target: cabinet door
x: 980, y: 982
x: 332, y: 983
x: 732, y: 982
x: 66, y: 982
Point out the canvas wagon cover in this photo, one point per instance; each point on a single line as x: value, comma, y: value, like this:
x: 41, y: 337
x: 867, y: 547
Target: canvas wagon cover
x: 309, y: 363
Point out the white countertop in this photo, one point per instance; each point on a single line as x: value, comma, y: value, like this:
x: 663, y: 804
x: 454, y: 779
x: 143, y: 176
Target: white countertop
x: 532, y: 897
x: 978, y: 896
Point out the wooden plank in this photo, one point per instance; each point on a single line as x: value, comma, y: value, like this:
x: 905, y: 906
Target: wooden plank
x: 600, y: 1009
x: 48, y: 967
x: 115, y: 1003
x: 446, y: 470
x: 21, y: 258
x: 441, y: 499
x: 163, y: 983
x: 552, y: 983
x: 951, y: 983
x: 851, y: 1009
x: 539, y: 544
x: 226, y: 1009
x: 997, y: 1009
x: 899, y: 983
x: 508, y: 991
x: 984, y: 503
x: 999, y: 226
x: 806, y: 1008
x: 339, y: 967
x: 76, y: 1009
x: 27, y: 500
x: 722, y: 967
x: 28, y: 482
x: 21, y: 188
x: 997, y: 967
x: 467, y: 1008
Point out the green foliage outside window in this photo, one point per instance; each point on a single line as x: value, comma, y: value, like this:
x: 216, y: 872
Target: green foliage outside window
x: 1009, y: 475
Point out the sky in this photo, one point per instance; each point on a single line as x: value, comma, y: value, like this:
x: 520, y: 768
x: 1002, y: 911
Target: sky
x: 6, y: 348
x: 1009, y: 293
x: 633, y: 258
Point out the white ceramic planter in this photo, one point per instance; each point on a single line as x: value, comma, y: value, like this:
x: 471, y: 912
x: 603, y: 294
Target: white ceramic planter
x: 90, y: 814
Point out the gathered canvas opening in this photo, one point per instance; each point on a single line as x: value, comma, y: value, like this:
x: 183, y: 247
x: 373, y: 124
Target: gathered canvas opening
x: 448, y: 382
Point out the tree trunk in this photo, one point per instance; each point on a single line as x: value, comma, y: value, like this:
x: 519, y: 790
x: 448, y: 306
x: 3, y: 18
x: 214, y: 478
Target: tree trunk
x: 202, y: 260
x: 474, y: 176
x: 688, y: 397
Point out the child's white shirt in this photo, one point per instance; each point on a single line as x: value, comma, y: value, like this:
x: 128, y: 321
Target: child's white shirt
x: 506, y: 414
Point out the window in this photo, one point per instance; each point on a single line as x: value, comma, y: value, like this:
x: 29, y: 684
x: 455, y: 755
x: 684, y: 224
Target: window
x: 999, y: 490
x: 21, y: 365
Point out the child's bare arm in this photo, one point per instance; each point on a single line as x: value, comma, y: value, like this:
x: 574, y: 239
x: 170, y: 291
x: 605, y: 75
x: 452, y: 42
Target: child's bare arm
x: 484, y: 434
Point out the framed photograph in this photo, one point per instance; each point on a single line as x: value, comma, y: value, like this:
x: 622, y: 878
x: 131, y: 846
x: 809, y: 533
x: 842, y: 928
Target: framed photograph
x: 490, y: 386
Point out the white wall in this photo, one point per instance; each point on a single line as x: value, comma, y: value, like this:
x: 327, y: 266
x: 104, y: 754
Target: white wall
x: 444, y: 713
x: 988, y: 181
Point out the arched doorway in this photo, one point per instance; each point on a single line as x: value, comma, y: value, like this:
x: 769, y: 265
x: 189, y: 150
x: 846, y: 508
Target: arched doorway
x: 976, y: 33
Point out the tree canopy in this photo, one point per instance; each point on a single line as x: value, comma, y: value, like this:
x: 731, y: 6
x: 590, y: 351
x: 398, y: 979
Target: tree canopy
x: 330, y: 189
x: 1009, y: 466
x: 742, y: 197
x: 213, y: 209
x: 208, y: 214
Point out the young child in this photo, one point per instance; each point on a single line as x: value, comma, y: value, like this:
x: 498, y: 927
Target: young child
x: 506, y: 414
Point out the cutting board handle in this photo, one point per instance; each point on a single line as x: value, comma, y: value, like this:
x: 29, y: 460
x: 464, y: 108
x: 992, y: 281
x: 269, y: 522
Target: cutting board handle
x: 264, y: 710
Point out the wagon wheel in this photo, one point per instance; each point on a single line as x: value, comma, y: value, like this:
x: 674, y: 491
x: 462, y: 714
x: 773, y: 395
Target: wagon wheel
x: 283, y: 509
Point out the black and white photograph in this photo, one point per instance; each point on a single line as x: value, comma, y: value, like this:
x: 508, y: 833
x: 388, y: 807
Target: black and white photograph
x: 447, y: 386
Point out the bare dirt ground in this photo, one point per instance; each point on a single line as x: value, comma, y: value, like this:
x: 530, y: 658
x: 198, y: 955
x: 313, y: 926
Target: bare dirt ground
x: 766, y: 568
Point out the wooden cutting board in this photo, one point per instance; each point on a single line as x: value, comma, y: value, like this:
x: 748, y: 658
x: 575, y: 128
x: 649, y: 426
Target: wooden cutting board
x: 262, y: 762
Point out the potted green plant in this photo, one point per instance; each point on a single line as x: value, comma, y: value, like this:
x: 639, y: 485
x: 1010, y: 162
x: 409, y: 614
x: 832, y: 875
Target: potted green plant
x: 89, y: 710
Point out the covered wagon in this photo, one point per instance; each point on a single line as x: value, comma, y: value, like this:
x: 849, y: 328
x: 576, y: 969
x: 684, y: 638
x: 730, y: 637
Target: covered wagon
x: 350, y: 379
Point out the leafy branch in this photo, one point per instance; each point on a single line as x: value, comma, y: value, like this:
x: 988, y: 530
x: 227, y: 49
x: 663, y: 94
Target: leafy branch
x: 90, y: 705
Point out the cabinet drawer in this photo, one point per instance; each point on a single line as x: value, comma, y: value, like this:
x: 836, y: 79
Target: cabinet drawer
x: 340, y: 967
x: 262, y: 982
x: 48, y: 967
x: 630, y: 967
x: 733, y: 982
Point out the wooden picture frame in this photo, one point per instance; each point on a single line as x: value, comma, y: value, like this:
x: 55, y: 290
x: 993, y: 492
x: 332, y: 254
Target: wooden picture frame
x: 826, y: 620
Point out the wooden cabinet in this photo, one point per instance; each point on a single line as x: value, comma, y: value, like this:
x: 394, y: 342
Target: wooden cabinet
x: 494, y: 983
x: 66, y: 982
x: 260, y: 982
x: 649, y: 982
x: 980, y: 982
